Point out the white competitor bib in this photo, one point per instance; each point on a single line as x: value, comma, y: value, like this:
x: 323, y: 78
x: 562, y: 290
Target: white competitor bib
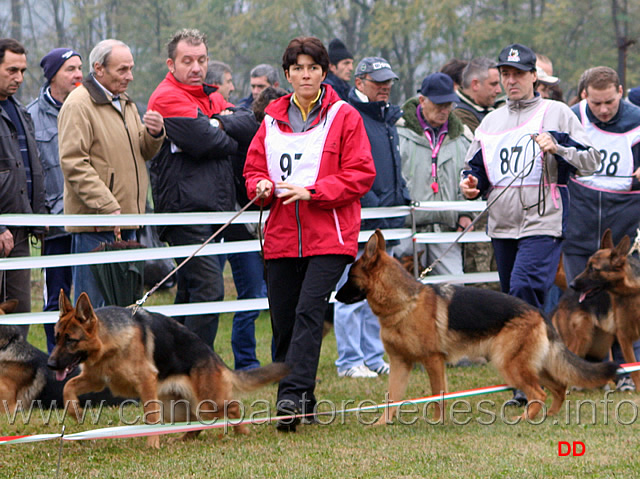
x: 295, y: 157
x: 616, y: 156
x: 513, y: 152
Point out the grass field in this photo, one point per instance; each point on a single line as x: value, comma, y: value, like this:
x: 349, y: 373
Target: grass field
x: 346, y: 447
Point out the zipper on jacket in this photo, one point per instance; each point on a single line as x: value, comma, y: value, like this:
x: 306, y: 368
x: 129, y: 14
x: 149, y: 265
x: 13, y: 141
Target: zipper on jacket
x: 299, y: 229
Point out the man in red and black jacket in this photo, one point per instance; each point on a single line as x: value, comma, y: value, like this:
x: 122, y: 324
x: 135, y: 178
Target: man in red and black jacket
x: 193, y: 170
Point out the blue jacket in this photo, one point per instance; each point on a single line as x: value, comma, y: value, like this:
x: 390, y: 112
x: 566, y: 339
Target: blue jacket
x: 45, y: 120
x: 389, y: 187
x: 341, y: 87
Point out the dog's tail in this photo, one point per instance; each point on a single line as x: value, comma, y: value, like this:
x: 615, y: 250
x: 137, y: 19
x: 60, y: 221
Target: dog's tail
x: 249, y: 380
x: 572, y: 370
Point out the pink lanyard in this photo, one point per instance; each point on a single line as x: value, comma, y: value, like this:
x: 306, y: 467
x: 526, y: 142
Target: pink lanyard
x: 444, y: 129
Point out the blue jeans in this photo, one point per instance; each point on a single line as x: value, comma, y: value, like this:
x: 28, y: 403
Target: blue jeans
x: 357, y: 332
x: 82, y: 277
x: 248, y: 276
x: 55, y: 279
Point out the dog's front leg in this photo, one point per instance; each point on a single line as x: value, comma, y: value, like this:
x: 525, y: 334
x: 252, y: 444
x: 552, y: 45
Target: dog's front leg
x: 626, y: 345
x: 81, y: 384
x: 399, y: 371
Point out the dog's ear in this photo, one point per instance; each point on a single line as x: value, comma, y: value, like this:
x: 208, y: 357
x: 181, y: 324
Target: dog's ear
x: 381, y: 242
x: 607, y: 240
x: 63, y: 302
x: 84, y: 309
x: 619, y: 254
x: 9, y: 306
x: 371, y: 248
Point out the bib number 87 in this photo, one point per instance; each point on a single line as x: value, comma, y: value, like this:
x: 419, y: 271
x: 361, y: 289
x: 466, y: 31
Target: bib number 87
x: 509, y: 163
x: 286, y: 164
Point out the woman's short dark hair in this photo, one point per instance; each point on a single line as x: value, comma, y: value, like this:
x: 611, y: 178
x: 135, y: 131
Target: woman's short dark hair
x: 311, y: 46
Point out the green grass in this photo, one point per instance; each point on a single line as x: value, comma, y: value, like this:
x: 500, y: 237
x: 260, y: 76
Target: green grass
x: 347, y: 448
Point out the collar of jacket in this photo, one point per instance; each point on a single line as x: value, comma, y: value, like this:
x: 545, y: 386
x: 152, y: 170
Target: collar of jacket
x: 279, y: 108
x: 519, y: 105
x: 411, y: 120
x: 378, y: 110
x: 626, y: 118
x: 97, y: 94
x: 467, y: 100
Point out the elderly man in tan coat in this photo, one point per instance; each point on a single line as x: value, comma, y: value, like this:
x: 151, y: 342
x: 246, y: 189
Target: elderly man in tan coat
x: 103, y: 146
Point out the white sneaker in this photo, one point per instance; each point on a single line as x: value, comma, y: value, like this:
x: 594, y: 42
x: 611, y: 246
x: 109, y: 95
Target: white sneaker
x: 360, y: 371
x: 382, y: 369
x: 625, y: 384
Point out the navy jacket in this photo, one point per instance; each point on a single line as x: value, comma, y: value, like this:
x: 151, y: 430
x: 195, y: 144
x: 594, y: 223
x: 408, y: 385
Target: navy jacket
x: 389, y: 187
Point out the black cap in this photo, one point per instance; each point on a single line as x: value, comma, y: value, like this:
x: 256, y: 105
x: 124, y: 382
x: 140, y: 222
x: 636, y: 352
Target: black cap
x: 53, y: 61
x: 338, y: 51
x: 438, y: 87
x: 517, y: 56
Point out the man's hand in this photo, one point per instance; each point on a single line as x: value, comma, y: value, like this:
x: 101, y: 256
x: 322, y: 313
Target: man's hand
x: 116, y: 229
x: 637, y: 174
x: 469, y: 187
x: 6, y: 243
x: 153, y: 121
x: 463, y: 223
x: 293, y: 193
x: 546, y: 143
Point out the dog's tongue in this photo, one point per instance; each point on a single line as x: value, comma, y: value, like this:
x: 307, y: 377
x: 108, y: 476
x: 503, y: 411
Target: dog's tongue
x: 583, y: 295
x: 60, y: 375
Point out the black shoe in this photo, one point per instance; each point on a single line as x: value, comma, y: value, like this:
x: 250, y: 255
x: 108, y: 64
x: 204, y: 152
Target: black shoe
x: 288, y: 424
x: 519, y: 399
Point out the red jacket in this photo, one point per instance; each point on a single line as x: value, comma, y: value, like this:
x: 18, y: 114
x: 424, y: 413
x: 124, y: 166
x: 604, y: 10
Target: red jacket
x: 329, y: 222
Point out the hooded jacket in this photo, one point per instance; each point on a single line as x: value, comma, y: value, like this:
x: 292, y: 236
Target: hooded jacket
x: 516, y: 214
x: 102, y: 154
x: 416, y: 165
x: 329, y: 223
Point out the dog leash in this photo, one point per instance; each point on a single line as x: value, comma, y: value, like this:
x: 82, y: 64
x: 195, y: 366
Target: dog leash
x: 429, y: 268
x: 142, y: 300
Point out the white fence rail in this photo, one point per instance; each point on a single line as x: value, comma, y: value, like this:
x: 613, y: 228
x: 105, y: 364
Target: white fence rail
x: 36, y: 262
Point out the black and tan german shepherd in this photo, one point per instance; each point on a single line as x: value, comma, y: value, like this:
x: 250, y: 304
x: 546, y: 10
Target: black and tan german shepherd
x: 435, y: 324
x: 604, y: 304
x: 152, y: 357
x: 25, y: 380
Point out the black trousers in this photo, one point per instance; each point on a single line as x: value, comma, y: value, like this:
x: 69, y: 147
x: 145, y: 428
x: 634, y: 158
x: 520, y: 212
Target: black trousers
x: 16, y: 283
x: 298, y: 290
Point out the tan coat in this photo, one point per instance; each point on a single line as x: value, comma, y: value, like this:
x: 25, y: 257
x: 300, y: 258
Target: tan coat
x: 103, y: 154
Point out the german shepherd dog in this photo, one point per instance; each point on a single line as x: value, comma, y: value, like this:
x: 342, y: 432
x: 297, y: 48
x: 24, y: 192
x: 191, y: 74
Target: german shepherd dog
x: 25, y: 379
x: 152, y: 357
x: 605, y: 304
x: 434, y: 324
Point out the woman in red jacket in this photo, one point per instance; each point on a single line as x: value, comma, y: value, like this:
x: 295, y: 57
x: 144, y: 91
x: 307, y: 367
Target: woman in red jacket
x: 311, y: 160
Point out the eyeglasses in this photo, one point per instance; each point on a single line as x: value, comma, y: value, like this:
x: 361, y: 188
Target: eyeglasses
x: 379, y: 83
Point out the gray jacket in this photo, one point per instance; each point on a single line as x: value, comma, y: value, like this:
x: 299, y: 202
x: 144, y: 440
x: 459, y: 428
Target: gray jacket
x: 45, y: 120
x: 516, y: 213
x: 14, y: 197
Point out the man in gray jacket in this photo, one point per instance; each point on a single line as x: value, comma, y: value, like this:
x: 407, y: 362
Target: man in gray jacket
x: 62, y: 69
x: 22, y: 189
x: 521, y: 157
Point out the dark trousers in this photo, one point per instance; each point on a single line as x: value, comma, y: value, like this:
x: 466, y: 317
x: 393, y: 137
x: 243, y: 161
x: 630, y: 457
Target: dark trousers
x: 16, y: 284
x: 199, y: 280
x: 298, y: 290
x: 55, y: 279
x: 527, y: 266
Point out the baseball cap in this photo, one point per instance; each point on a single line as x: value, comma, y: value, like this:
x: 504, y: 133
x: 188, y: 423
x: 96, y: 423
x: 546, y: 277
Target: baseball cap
x: 53, y: 61
x: 517, y: 56
x: 377, y: 67
x: 438, y: 87
x: 546, y: 79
